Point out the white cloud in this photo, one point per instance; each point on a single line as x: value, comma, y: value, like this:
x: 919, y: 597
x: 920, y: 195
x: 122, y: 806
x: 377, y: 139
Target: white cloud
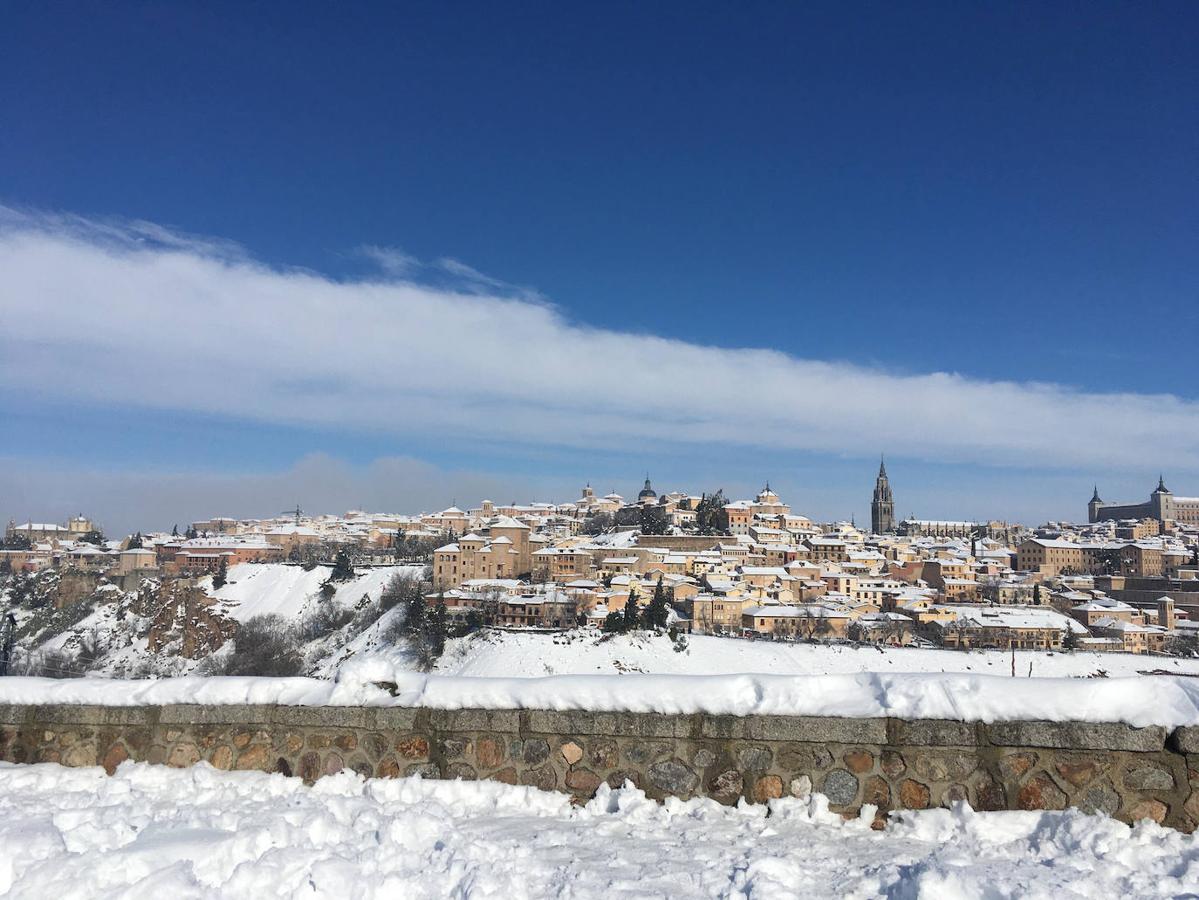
x: 135, y: 314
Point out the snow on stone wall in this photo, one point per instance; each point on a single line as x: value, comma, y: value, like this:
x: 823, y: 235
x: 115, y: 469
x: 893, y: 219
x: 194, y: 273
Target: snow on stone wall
x: 377, y: 680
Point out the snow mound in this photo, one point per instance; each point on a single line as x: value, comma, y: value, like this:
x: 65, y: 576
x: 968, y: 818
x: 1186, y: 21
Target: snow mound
x: 198, y: 832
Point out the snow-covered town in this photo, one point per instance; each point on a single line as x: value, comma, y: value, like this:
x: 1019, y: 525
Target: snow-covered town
x: 686, y: 565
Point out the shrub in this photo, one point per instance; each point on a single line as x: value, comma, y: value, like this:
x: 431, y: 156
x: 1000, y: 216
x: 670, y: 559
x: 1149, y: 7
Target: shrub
x: 264, y: 645
x: 323, y: 621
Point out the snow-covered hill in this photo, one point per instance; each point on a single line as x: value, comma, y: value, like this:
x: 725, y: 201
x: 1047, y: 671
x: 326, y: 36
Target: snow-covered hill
x: 72, y: 625
x: 292, y: 592
x: 75, y: 624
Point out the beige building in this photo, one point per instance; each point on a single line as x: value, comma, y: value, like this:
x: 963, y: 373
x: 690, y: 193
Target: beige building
x: 505, y: 552
x: 796, y: 622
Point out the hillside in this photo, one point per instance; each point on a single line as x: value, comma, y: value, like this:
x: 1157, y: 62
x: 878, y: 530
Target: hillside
x: 74, y: 625
x: 70, y: 625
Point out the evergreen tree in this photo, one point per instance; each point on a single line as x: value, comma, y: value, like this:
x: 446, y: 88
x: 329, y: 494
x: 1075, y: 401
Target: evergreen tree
x: 343, y: 567
x: 414, y: 621
x: 631, y: 614
x: 654, y: 520
x: 613, y: 622
x: 658, y: 611
x: 1070, y: 640
x: 436, y: 630
x: 1036, y: 595
x: 135, y: 542
x: 190, y: 534
x: 174, y: 531
x: 17, y: 542
x: 709, y: 513
x: 221, y: 578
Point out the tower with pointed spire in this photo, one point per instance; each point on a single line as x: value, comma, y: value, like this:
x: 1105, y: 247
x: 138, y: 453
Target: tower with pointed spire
x: 1162, y: 505
x: 1162, y: 501
x: 882, y: 506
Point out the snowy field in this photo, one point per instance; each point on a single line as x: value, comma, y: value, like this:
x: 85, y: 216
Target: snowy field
x: 506, y: 654
x: 157, y: 832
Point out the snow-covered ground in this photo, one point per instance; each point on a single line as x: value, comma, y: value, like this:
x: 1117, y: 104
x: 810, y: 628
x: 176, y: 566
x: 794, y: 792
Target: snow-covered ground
x: 579, y: 653
x: 167, y: 833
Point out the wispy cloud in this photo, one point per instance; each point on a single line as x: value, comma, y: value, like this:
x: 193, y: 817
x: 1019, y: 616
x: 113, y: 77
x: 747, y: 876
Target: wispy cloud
x: 445, y: 274
x: 137, y: 314
x: 391, y: 260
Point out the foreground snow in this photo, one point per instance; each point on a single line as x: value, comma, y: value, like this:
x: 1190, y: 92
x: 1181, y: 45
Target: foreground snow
x: 526, y: 654
x: 153, y: 831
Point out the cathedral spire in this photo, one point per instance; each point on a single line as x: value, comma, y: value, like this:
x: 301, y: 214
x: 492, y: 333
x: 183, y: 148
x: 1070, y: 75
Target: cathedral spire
x: 882, y: 505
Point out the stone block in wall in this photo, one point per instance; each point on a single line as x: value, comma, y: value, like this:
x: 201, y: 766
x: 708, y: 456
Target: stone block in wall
x: 841, y: 788
x: 1185, y: 740
x: 69, y: 714
x: 395, y: 718
x: 1077, y: 736
x: 130, y: 715
x: 474, y: 719
x: 582, y: 722
x: 326, y: 717
x: 808, y: 729
x: 932, y: 733
x: 672, y: 777
x: 197, y: 714
x: 14, y: 714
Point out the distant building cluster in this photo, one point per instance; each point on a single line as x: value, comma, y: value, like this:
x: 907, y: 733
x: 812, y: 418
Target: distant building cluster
x: 1127, y: 580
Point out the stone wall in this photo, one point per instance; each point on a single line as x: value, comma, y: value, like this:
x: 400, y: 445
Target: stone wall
x: 1128, y: 772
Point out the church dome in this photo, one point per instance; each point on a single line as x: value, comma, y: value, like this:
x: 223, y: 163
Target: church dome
x: 647, y: 492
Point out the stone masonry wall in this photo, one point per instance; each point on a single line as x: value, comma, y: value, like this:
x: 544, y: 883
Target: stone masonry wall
x: 1131, y: 773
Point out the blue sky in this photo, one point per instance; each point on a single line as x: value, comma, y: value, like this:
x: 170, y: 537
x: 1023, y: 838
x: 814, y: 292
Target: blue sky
x: 1007, y: 193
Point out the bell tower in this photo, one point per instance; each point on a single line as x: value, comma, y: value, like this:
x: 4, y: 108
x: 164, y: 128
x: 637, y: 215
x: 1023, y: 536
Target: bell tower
x: 882, y: 506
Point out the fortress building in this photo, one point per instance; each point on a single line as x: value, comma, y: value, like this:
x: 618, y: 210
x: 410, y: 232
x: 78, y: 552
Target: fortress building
x: 1162, y: 505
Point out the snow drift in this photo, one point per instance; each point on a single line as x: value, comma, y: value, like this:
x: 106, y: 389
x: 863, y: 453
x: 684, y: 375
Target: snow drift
x: 156, y: 831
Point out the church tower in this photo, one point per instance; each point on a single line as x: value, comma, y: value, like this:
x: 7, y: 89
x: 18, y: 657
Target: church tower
x: 882, y: 507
